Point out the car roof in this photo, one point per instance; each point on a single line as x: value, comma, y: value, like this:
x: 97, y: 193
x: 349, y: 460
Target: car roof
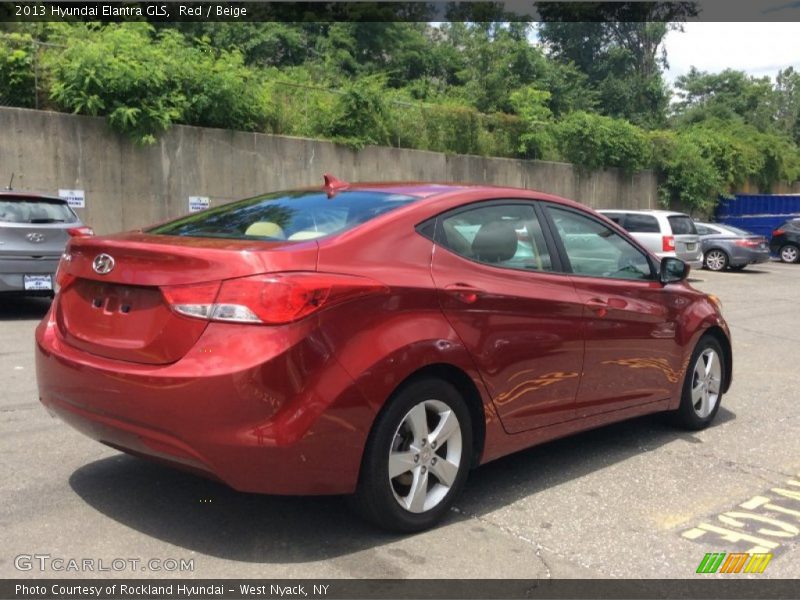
x: 15, y: 195
x: 644, y: 211
x: 434, y: 190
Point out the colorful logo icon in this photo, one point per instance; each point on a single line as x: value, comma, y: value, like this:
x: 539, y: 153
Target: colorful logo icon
x: 741, y: 562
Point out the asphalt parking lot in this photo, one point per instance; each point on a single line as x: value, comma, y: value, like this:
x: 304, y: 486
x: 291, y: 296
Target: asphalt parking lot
x: 636, y: 499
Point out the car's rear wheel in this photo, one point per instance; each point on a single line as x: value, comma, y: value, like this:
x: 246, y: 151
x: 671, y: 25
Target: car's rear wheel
x: 702, y: 387
x: 716, y: 260
x: 789, y: 253
x: 417, y: 457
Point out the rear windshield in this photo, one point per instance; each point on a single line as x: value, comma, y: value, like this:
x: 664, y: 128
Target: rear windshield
x: 286, y: 216
x: 735, y: 230
x: 35, y: 211
x: 682, y: 225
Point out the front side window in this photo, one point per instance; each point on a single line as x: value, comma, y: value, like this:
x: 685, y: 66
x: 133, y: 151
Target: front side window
x: 595, y: 250
x: 292, y: 216
x: 502, y: 235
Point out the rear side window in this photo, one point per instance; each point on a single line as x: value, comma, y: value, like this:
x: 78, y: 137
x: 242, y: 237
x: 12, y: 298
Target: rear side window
x: 292, y: 216
x: 703, y: 230
x: 616, y: 217
x: 681, y: 225
x: 641, y: 224
x: 501, y: 235
x: 35, y: 211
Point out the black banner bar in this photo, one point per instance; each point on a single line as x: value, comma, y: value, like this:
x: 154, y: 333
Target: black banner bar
x: 734, y: 588
x: 419, y: 11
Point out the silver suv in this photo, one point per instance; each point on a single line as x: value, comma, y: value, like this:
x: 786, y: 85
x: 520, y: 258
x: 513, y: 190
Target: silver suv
x: 34, y: 231
x: 663, y: 232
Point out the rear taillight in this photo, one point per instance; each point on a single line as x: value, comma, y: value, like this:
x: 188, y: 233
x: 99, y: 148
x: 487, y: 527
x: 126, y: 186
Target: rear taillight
x: 63, y: 279
x: 667, y: 243
x: 80, y: 231
x: 778, y: 232
x: 268, y: 299
x: 749, y: 243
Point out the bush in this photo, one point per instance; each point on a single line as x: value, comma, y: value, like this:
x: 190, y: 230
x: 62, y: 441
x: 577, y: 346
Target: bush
x: 17, y: 78
x: 594, y: 142
x: 143, y: 83
x: 688, y: 177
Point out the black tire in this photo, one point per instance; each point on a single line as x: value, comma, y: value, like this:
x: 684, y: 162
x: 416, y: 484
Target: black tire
x: 690, y: 414
x: 378, y: 498
x: 715, y: 260
x: 789, y: 253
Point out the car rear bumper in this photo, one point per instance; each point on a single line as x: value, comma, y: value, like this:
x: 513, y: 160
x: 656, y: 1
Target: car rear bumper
x: 13, y: 271
x: 261, y: 416
x: 744, y: 256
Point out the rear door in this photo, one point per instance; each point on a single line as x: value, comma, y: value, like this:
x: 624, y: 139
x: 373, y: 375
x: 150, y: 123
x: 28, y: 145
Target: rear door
x: 499, y: 287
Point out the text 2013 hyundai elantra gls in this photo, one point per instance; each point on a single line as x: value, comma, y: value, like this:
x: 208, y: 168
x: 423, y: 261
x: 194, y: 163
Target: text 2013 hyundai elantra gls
x: 373, y: 339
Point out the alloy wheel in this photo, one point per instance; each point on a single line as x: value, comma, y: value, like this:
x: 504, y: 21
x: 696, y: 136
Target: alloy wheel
x: 706, y: 382
x: 425, y: 456
x: 789, y: 254
x: 716, y: 260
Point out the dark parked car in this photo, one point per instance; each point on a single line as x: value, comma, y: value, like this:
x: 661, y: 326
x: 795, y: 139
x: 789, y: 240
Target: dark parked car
x: 376, y: 339
x: 785, y: 241
x: 34, y: 230
x: 725, y: 247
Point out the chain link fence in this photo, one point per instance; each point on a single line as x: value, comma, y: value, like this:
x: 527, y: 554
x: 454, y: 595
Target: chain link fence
x: 21, y: 71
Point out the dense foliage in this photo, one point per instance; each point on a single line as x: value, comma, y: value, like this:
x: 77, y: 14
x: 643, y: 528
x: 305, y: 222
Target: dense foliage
x: 591, y: 93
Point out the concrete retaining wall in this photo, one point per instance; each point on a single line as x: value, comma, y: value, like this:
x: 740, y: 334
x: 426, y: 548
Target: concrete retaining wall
x: 129, y: 186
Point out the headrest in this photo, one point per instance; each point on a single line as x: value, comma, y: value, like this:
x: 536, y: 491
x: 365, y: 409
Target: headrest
x: 495, y: 241
x: 266, y: 229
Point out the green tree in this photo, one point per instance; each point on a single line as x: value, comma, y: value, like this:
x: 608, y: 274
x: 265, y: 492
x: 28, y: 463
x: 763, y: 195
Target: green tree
x: 726, y: 96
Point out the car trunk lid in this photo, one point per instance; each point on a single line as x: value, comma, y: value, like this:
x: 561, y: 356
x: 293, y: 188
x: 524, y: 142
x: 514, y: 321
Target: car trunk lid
x: 122, y: 314
x: 33, y: 241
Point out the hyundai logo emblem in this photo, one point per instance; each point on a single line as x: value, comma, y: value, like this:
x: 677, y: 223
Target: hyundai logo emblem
x: 36, y: 238
x: 103, y: 264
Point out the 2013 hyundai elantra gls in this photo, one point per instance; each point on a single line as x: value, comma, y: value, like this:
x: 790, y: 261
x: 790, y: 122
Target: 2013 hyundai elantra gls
x: 378, y: 340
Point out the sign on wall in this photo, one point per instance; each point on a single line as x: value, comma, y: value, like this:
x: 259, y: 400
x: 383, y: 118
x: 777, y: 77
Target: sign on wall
x: 75, y: 198
x: 198, y: 203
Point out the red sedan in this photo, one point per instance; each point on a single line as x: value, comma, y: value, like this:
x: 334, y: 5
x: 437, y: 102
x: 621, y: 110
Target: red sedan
x: 373, y: 339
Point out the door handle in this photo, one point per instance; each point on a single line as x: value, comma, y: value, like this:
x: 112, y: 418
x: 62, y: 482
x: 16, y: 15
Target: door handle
x: 463, y: 292
x: 598, y: 305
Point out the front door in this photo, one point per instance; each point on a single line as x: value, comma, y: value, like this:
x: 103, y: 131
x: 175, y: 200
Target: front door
x: 632, y: 356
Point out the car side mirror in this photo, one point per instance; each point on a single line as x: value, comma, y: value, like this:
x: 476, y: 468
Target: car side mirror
x: 672, y: 270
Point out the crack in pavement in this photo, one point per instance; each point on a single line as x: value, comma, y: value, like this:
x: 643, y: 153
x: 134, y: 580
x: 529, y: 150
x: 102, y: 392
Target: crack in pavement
x: 537, y: 547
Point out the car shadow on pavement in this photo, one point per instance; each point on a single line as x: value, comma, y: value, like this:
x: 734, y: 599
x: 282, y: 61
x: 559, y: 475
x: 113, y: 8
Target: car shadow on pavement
x: 210, y: 518
x: 18, y: 308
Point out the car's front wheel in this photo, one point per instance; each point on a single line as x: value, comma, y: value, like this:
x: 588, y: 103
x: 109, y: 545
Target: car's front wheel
x: 716, y: 260
x: 702, y: 387
x: 789, y: 253
x: 417, y: 457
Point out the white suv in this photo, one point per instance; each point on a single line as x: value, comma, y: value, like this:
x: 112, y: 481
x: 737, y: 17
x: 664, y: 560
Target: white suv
x: 663, y: 232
